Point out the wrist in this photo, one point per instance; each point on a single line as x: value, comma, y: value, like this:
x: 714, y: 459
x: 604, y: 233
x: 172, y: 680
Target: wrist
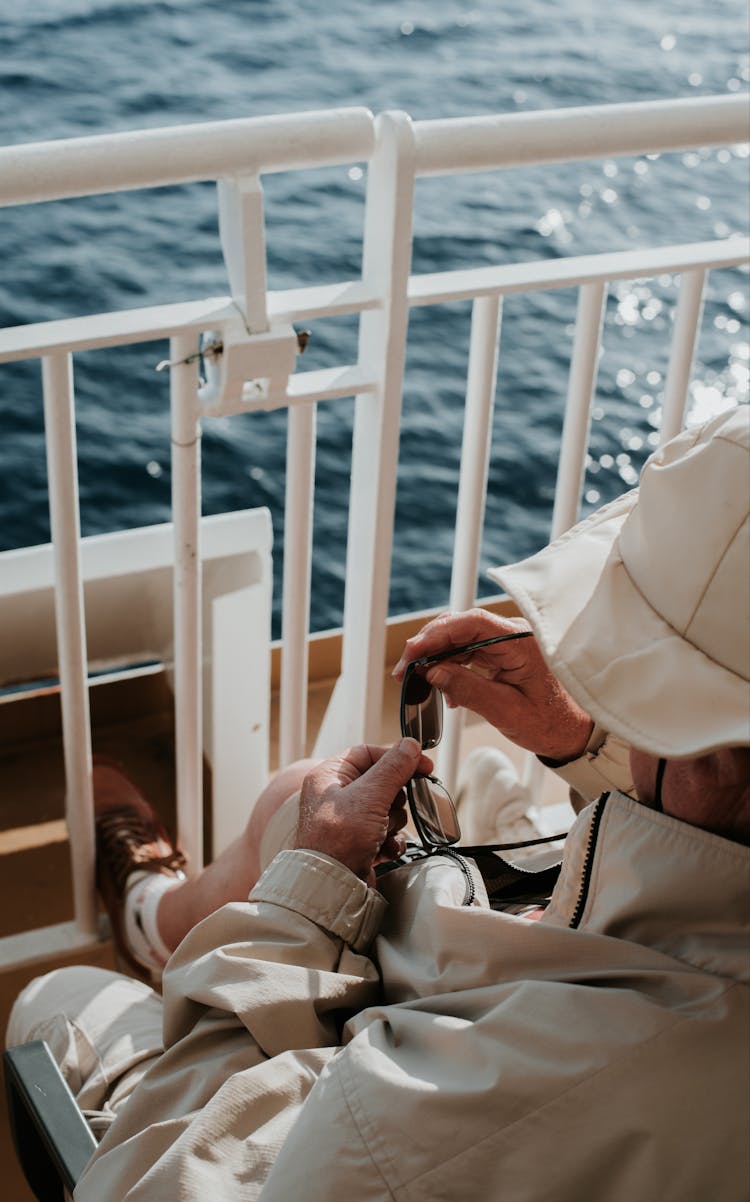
x: 588, y: 742
x: 329, y: 843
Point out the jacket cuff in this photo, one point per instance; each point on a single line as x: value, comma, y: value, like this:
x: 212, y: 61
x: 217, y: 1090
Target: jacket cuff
x: 605, y: 765
x: 323, y: 890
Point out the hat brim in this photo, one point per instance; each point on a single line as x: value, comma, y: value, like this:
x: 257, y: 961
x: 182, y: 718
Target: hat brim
x: 635, y: 674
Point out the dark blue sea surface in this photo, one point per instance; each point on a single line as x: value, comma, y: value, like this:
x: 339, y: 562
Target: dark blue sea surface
x: 73, y: 67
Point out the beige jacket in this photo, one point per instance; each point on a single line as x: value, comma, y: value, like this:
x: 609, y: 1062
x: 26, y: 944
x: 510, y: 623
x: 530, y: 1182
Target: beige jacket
x: 499, y: 1058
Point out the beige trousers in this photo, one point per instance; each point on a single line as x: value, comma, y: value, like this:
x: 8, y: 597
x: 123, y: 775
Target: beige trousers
x: 105, y: 1029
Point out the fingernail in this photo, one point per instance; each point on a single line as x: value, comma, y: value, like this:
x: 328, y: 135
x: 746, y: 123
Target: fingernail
x: 410, y: 746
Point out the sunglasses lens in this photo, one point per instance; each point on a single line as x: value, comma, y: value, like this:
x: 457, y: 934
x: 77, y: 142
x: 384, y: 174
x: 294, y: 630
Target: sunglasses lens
x: 435, y: 810
x: 422, y: 711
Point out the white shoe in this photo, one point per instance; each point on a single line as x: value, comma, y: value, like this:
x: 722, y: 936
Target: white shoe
x: 493, y: 805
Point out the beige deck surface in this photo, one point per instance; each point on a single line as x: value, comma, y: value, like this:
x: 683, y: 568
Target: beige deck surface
x: 132, y: 722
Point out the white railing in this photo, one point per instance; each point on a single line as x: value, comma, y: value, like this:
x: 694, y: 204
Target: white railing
x: 255, y: 326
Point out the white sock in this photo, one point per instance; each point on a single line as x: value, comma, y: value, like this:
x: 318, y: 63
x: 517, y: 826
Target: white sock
x: 142, y: 896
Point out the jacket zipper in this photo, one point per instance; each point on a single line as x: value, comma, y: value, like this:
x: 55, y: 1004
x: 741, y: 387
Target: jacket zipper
x: 463, y: 865
x: 588, y: 861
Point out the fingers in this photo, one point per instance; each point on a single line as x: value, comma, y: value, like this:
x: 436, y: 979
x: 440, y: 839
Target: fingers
x: 353, y: 804
x: 364, y: 756
x: 461, y: 687
x: 452, y: 629
x: 397, y: 816
x: 395, y: 766
x: 394, y: 846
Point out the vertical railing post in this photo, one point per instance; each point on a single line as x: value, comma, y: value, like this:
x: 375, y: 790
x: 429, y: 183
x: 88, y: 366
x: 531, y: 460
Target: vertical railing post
x: 243, y: 244
x: 186, y: 507
x: 581, y: 387
x: 682, y: 352
x: 300, y: 485
x: 62, y: 470
x: 355, y: 709
x: 575, y: 437
x: 472, y: 489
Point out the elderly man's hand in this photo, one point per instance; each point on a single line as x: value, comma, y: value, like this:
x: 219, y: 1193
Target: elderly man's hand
x: 509, y: 684
x: 353, y: 805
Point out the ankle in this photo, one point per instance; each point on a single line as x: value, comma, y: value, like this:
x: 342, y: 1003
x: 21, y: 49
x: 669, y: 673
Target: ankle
x: 144, y: 894
x: 174, y: 915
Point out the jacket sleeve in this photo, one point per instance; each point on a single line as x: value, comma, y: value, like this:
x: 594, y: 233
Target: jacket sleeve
x: 255, y: 999
x: 604, y: 765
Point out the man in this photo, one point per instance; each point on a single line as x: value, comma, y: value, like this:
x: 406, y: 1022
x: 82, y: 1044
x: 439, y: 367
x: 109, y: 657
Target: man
x: 321, y: 1043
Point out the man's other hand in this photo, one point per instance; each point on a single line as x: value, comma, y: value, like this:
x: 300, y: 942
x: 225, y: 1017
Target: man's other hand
x: 508, y: 684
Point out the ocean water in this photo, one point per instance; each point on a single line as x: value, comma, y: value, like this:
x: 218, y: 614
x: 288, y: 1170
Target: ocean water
x: 72, y: 67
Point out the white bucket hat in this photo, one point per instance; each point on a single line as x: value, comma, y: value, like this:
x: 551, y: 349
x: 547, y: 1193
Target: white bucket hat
x: 642, y: 611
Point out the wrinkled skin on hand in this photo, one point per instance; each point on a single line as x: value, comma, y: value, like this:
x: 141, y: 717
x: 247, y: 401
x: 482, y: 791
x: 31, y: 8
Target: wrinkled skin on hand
x: 509, y: 684
x: 353, y: 805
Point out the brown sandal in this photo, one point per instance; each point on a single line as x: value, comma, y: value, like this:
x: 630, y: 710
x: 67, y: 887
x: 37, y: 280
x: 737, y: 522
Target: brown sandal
x: 130, y: 837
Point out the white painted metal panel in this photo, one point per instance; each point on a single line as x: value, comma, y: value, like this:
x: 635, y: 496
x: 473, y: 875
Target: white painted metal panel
x: 127, y: 583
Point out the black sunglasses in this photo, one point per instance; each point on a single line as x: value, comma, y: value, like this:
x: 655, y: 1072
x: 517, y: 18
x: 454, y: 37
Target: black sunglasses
x: 432, y: 809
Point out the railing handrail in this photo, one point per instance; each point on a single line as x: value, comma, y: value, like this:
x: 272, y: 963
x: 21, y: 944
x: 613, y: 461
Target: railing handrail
x: 154, y: 322
x: 180, y: 154
x: 572, y: 134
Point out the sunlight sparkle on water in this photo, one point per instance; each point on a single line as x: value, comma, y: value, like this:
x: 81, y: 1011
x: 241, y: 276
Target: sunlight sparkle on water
x: 627, y: 310
x: 554, y: 222
x: 706, y: 402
